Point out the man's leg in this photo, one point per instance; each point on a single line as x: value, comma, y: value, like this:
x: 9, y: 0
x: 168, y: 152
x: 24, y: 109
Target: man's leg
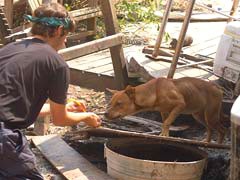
x: 16, y: 157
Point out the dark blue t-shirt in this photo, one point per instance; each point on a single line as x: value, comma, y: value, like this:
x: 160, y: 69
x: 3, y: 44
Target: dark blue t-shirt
x: 30, y: 72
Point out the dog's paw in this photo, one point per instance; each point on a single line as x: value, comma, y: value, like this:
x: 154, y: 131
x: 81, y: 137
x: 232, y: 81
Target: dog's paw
x: 164, y: 134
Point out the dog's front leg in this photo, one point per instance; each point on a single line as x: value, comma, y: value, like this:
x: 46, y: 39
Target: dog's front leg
x: 170, y: 119
x: 164, y: 116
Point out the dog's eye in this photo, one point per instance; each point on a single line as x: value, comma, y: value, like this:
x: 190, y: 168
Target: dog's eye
x: 119, y: 103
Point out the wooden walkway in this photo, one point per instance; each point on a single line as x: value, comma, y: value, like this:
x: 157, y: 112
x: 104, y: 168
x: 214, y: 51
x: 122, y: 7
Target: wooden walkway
x: 96, y: 70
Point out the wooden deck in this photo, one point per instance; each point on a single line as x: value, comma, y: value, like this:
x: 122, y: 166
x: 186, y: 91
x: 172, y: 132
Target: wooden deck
x: 96, y: 70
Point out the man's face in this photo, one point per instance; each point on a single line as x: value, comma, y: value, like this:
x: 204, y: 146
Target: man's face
x: 61, y: 42
x: 60, y: 39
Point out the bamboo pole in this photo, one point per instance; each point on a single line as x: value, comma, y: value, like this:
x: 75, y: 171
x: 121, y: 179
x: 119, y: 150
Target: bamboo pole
x: 181, y: 39
x: 233, y: 9
x: 162, y: 29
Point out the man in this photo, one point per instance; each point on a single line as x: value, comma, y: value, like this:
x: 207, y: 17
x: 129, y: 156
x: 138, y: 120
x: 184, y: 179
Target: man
x: 31, y: 71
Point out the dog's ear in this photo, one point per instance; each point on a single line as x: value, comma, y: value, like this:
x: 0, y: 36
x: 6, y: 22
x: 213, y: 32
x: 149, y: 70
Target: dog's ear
x: 130, y: 91
x: 111, y: 91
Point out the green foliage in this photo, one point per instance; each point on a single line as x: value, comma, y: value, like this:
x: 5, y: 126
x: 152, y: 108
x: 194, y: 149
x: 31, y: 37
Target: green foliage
x: 133, y: 11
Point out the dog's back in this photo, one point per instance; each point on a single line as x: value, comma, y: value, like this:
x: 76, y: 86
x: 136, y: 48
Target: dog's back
x: 198, y: 93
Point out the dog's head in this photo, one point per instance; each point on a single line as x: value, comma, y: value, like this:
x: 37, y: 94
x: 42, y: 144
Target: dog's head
x: 122, y: 103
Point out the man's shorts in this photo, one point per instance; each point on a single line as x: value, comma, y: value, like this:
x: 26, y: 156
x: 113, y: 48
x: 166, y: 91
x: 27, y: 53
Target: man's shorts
x: 17, y: 162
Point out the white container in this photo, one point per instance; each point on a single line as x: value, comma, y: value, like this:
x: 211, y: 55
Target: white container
x: 227, y: 60
x: 235, y: 138
x: 128, y: 159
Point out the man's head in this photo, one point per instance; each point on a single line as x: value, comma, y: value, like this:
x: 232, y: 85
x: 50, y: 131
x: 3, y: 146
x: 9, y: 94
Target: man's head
x: 51, y: 21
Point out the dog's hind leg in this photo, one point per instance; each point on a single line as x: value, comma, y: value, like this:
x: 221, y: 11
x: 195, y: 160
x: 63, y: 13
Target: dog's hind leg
x: 200, y: 117
x: 212, y: 118
x: 220, y: 137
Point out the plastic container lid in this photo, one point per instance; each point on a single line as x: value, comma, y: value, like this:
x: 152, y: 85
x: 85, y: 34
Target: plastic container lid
x: 235, y: 112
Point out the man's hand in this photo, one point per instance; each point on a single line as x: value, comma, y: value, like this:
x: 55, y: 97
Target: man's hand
x: 93, y: 120
x: 72, y: 114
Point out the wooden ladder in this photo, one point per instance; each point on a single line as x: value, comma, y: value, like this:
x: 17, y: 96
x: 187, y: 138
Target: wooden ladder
x: 4, y: 28
x: 113, y: 41
x: 6, y: 33
x: 88, y: 14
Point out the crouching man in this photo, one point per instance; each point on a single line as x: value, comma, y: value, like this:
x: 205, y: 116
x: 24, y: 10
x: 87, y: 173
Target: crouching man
x: 31, y: 71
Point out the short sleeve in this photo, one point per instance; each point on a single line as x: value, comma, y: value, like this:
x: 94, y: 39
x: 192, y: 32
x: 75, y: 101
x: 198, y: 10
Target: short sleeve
x: 59, y: 85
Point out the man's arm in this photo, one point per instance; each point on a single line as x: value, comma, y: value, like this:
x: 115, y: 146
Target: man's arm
x: 62, y: 117
x: 45, y: 111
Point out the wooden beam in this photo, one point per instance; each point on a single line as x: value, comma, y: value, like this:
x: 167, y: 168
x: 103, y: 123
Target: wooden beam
x: 90, y: 47
x: 66, y: 160
x: 84, y: 11
x: 80, y: 35
x: 108, y: 132
x: 118, y: 60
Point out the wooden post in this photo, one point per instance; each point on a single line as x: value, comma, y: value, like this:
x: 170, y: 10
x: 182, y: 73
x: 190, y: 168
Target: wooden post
x: 92, y: 22
x: 162, y: 29
x: 233, y: 9
x: 119, y: 64
x: 8, y: 9
x: 181, y: 39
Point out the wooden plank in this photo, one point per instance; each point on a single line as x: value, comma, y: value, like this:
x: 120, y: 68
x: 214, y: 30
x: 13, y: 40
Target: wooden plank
x: 197, y: 17
x: 95, y: 81
x: 84, y: 11
x: 92, y: 66
x: 118, y: 60
x: 90, y: 47
x: 207, y: 47
x: 87, y: 16
x: 80, y: 13
x: 80, y: 35
x: 101, y: 69
x: 88, y: 59
x: 66, y: 160
x: 8, y: 9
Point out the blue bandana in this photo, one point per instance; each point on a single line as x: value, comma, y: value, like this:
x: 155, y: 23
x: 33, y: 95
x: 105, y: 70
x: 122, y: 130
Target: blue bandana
x: 49, y: 21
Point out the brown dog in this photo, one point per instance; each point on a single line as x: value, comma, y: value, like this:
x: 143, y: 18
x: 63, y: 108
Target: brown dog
x: 172, y: 97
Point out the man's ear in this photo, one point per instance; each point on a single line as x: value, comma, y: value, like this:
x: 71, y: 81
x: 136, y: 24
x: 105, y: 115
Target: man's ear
x: 111, y: 91
x: 130, y: 91
x: 60, y: 31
